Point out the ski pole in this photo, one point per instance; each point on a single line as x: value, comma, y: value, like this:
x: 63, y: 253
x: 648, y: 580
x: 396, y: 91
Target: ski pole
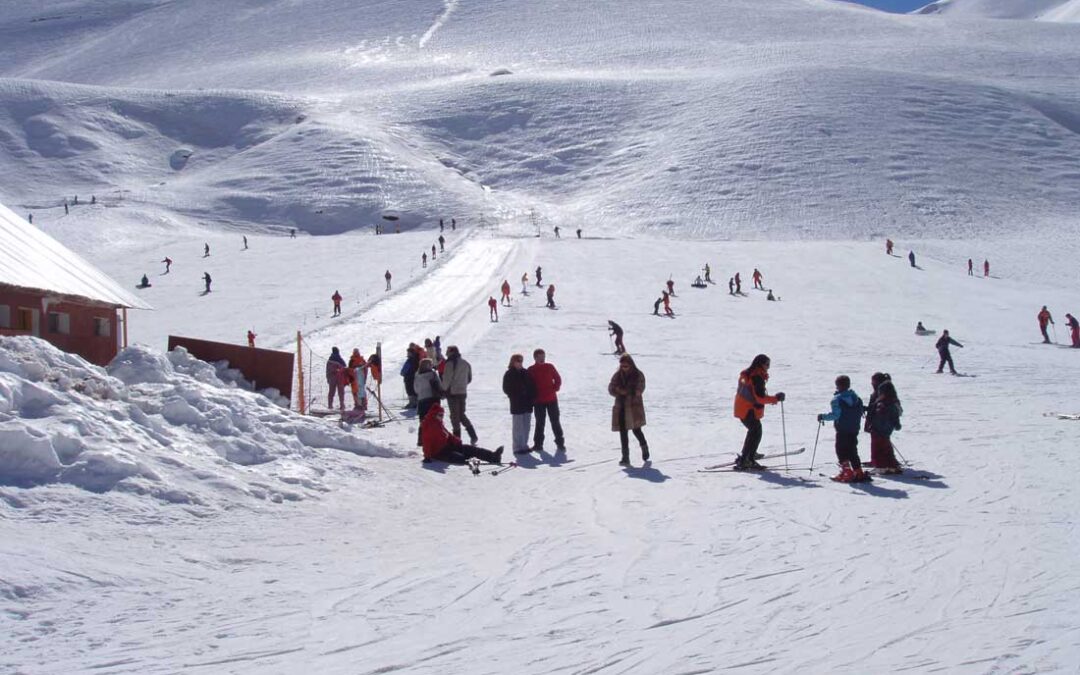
x: 814, y: 455
x: 1054, y: 327
x: 783, y: 427
x: 897, y: 451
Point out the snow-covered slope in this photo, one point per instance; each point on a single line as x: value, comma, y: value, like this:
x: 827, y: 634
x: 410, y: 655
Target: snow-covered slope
x: 1064, y: 11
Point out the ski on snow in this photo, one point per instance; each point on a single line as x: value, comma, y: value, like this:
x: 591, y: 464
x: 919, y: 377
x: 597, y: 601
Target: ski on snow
x: 729, y: 466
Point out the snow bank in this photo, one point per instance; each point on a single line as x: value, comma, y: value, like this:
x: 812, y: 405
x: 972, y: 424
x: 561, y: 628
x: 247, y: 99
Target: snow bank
x: 166, y: 426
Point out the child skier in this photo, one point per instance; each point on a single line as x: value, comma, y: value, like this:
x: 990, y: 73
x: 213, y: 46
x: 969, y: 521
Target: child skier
x: 882, y: 419
x: 846, y: 415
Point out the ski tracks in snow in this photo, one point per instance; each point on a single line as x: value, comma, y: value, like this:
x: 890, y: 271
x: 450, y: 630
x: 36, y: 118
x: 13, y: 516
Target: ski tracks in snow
x: 448, y: 8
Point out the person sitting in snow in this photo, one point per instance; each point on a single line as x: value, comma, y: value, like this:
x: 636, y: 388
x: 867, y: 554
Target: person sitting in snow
x: 698, y: 283
x: 145, y: 283
x: 441, y: 445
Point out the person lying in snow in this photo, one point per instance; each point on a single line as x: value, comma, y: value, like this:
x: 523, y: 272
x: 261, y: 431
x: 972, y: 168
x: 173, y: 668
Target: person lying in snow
x: 441, y: 445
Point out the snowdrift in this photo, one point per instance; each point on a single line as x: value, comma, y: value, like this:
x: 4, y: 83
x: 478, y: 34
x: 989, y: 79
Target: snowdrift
x: 164, y: 426
x: 1063, y: 11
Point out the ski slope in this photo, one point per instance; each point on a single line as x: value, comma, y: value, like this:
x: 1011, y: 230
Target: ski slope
x: 1061, y: 11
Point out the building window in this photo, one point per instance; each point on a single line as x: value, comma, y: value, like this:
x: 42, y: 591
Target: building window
x: 24, y: 319
x: 60, y: 322
x: 102, y: 328
x: 5, y: 316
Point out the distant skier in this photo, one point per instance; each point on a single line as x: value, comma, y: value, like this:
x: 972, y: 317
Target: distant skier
x: 336, y: 298
x: 846, y: 415
x: 30, y: 218
x: 206, y: 250
x: 911, y: 258
x: 1044, y: 320
x: 616, y: 330
x: 66, y: 212
x: 986, y: 269
x: 440, y: 445
x: 943, y: 351
x: 551, y: 296
x: 168, y: 263
x: 627, y: 385
x: 667, y: 304
x: 505, y: 293
x: 206, y: 279
x: 334, y: 365
x: 888, y: 246
x: 971, y: 268
x: 738, y: 284
x: 442, y: 243
x: 708, y: 273
x: 656, y: 306
x: 145, y: 283
x: 453, y: 225
x: 245, y: 242
x: 525, y: 283
x: 441, y: 226
x: 292, y: 233
x: 750, y: 400
x: 882, y: 419
x: 731, y: 286
x: 423, y: 260
x: 757, y: 279
x: 387, y: 276
x: 251, y: 338
x: 539, y: 276
x: 433, y: 251
x: 493, y: 309
x: 1074, y: 328
x: 557, y: 232
x: 671, y: 287
x: 579, y: 233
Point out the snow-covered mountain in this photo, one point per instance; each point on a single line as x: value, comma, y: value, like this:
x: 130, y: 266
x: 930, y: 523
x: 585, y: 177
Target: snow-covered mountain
x: 1064, y: 11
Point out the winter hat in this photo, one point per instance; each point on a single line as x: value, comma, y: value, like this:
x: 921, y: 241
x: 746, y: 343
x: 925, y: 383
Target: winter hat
x: 433, y: 411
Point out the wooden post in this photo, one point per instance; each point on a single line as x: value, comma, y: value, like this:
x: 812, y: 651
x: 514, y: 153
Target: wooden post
x: 378, y: 382
x: 123, y: 311
x: 300, y: 372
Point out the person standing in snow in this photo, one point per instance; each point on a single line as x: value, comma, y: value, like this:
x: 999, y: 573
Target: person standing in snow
x: 442, y: 243
x: 506, y: 292
x: 943, y: 351
x: 656, y: 306
x: 519, y: 389
x: 546, y: 383
x: 551, y: 296
x: 708, y: 273
x: 428, y: 388
x: 334, y: 365
x: 493, y: 309
x: 457, y: 375
x: 408, y: 372
x: 433, y: 252
x: 738, y: 284
x: 911, y: 258
x: 986, y: 269
x: 616, y: 330
x: 1074, y: 329
x: 557, y: 232
x: 667, y: 304
x: 251, y: 338
x: 206, y: 250
x: 971, y: 267
x: 442, y: 446
x: 387, y: 276
x: 627, y: 385
x: 846, y: 416
x: 731, y: 286
x: 579, y: 233
x: 453, y: 225
x: 750, y: 400
x: 441, y: 226
x: 206, y: 280
x: 1044, y: 320
x: 168, y: 263
x: 292, y: 233
x: 539, y: 276
x: 245, y: 242
x: 336, y: 297
x: 671, y: 287
x: 423, y: 260
x: 358, y: 366
x: 525, y: 283
x: 757, y: 279
x: 888, y: 246
x: 882, y: 419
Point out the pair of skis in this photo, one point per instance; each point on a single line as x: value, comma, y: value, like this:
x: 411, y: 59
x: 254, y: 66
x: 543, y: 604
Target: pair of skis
x: 730, y: 466
x: 474, y: 466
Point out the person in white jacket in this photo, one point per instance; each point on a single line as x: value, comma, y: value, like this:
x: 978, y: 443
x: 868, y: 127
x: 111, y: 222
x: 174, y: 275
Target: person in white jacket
x: 457, y: 374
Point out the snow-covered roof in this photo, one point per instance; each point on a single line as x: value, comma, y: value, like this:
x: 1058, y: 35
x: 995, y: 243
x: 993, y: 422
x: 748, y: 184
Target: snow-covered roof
x: 29, y: 258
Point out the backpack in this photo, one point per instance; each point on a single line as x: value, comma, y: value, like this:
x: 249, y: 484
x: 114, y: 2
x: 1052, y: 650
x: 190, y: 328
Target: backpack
x: 850, y: 416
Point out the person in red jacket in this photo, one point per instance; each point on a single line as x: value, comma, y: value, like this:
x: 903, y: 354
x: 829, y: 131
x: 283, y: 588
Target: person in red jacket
x: 986, y: 268
x: 441, y: 445
x: 251, y: 338
x: 750, y: 400
x: 546, y: 382
x: 757, y: 279
x: 506, y: 292
x: 1074, y: 328
x: 888, y: 246
x: 493, y: 309
x: 1044, y: 319
x: 336, y: 297
x: 551, y: 296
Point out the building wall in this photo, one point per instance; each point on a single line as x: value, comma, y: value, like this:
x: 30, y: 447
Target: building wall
x: 264, y: 367
x: 28, y: 314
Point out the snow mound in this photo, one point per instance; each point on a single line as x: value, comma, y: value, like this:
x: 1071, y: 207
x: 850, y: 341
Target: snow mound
x: 164, y: 426
x: 1062, y: 11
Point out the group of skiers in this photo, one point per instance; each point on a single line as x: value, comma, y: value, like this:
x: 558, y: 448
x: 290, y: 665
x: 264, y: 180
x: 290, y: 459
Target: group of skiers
x: 352, y: 375
x: 986, y: 268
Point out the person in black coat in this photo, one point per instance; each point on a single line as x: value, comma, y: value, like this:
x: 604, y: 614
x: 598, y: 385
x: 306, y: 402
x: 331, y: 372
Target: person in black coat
x: 943, y: 351
x: 519, y: 388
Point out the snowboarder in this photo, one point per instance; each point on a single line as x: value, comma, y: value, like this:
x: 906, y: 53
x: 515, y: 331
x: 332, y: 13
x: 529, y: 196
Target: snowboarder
x: 251, y: 338
x: 457, y: 374
x: 423, y: 260
x: 387, y: 276
x: 334, y: 365
x: 738, y: 284
x: 846, y: 416
x: 539, y: 276
x: 757, y: 279
x: 336, y: 297
x: 557, y: 232
x: 656, y: 306
x: 627, y: 385
x: 206, y: 279
x: 666, y: 297
x: 493, y: 309
x: 671, y: 287
x: 708, y: 273
x: 911, y: 258
x: 506, y: 292
x: 206, y: 250
x: 168, y: 263
x: 442, y: 243
x: 986, y: 269
x: 579, y: 233
x: 551, y: 296
x: 750, y: 400
x: 428, y: 388
x: 616, y: 330
x: 145, y: 283
x: 1045, y: 319
x: 971, y: 268
x: 518, y: 387
x: 440, y: 445
x: 888, y: 246
x: 882, y: 419
x: 943, y: 351
x: 245, y: 242
x: 546, y: 383
x: 525, y: 283
x: 1074, y: 328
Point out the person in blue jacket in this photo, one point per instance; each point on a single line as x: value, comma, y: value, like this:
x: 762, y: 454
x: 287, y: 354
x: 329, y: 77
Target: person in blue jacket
x: 846, y: 415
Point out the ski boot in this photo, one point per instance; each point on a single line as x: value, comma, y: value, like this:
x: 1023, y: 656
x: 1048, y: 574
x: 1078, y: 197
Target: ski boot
x: 846, y: 475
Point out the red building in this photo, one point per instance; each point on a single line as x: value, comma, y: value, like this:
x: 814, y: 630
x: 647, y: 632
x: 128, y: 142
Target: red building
x: 48, y: 291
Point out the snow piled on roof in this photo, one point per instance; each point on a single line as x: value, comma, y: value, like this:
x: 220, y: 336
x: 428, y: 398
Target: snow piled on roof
x: 29, y: 258
x: 164, y: 426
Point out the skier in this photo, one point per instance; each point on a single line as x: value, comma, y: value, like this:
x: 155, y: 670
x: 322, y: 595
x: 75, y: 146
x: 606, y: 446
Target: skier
x: 943, y: 351
x: 493, y: 309
x: 358, y: 366
x: 506, y: 292
x: 579, y: 233
x: 334, y: 365
x: 670, y: 287
x: 336, y: 297
x: 518, y: 387
x: 206, y: 250
x: 423, y: 260
x: 627, y: 385
x: 292, y: 233
x: 245, y: 242
x: 408, y: 372
x: 1074, y: 328
x: 971, y: 268
x: 731, y: 286
x: 551, y: 296
x: 168, y: 263
x: 546, y: 383
x: 442, y: 243
x: 911, y: 258
x: 433, y: 252
x: 65, y: 207
x: 846, y: 416
x: 667, y: 304
x: 750, y: 400
x: 1044, y: 319
x: 525, y: 283
x: 251, y: 338
x: 206, y: 279
x: 441, y: 226
x: 387, y: 276
x: 986, y: 269
x: 538, y: 276
x: 617, y: 331
x: 145, y: 283
x: 757, y: 279
x: 453, y: 225
x: 440, y: 445
x: 428, y: 388
x: 457, y: 375
x: 708, y: 273
x: 888, y: 246
x: 738, y: 284
x: 30, y: 218
x: 882, y: 419
x: 656, y: 306
x: 557, y: 232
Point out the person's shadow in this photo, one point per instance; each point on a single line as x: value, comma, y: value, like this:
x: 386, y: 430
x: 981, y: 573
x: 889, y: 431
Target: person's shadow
x: 646, y: 472
x: 925, y: 478
x: 204, y: 293
x: 556, y: 460
x: 434, y: 466
x: 786, y: 480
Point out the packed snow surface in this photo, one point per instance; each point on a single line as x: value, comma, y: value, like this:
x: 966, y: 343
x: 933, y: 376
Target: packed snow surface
x: 1064, y: 11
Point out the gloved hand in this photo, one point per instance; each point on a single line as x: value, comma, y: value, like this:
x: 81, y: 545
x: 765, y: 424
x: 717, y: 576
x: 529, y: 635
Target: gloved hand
x: 821, y: 418
x: 780, y: 397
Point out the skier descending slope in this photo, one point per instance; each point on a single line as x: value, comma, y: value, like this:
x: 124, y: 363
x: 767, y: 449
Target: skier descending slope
x: 943, y: 351
x: 1044, y: 320
x: 616, y: 330
x: 846, y: 416
x: 1074, y: 329
x: 750, y: 400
